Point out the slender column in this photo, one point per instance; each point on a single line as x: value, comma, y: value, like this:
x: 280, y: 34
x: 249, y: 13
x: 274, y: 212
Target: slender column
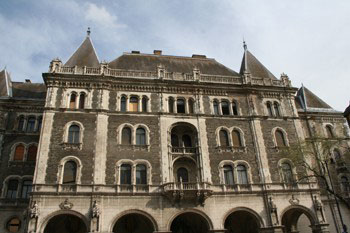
x: 220, y: 108
x: 175, y: 105
x: 139, y: 107
x: 127, y: 103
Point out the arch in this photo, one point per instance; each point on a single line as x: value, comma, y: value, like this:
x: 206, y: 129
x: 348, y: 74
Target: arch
x: 147, y: 132
x: 217, y: 133
x: 269, y: 108
x: 283, y: 133
x: 13, y: 223
x: 18, y: 151
x: 120, y: 129
x: 148, y: 167
x: 248, y: 169
x: 191, y: 211
x: 47, y: 219
x: 73, y: 99
x: 277, y: 109
x: 180, y: 123
x: 257, y: 217
x: 329, y: 131
x: 66, y: 131
x: 32, y: 152
x: 62, y: 165
x: 134, y: 211
x: 241, y: 135
x: 290, y: 216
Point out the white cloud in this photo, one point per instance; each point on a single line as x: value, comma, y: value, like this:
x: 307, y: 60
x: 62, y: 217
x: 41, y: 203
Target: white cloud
x: 101, y: 17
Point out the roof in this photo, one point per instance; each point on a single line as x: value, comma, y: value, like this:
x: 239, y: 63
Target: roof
x: 85, y: 55
x: 347, y: 111
x: 29, y: 90
x: 5, y: 83
x: 252, y: 65
x: 150, y: 62
x: 310, y: 100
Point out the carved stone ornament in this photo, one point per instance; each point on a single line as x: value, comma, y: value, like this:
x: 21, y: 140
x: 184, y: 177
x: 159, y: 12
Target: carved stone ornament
x: 34, y: 210
x: 66, y: 205
x: 294, y: 200
x: 95, y: 212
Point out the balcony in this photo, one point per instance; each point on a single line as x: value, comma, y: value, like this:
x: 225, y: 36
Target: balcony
x: 178, y: 192
x: 184, y: 150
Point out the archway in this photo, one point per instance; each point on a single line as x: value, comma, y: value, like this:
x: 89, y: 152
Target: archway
x: 66, y: 223
x: 133, y: 223
x: 242, y: 221
x: 297, y: 220
x: 189, y: 222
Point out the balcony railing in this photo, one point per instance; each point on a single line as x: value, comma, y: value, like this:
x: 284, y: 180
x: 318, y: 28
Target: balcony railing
x: 184, y: 150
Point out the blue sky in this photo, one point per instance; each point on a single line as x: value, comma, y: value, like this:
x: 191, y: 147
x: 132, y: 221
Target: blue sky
x: 308, y: 40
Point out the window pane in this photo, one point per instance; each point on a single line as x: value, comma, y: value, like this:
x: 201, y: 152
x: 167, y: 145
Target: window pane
x: 224, y: 138
x: 190, y: 106
x: 225, y: 108
x: 69, y: 173
x: 186, y: 141
x: 140, y: 136
x: 123, y: 104
x: 26, y: 188
x: 73, y: 98
x: 74, y: 134
x: 280, y: 139
x: 234, y: 108
x: 287, y: 173
x: 141, y: 174
x: 12, y: 189
x: 216, y: 107
x: 82, y: 101
x: 277, y: 110
x: 242, y: 174
x: 228, y: 175
x: 236, y: 138
x: 180, y: 103
x: 125, y: 174
x: 133, y: 105
x: 269, y: 109
x: 182, y: 174
x: 19, y: 153
x: 144, y: 104
x: 31, y: 124
x: 126, y: 136
x: 174, y: 140
x: 21, y: 123
x: 171, y: 105
x: 32, y: 150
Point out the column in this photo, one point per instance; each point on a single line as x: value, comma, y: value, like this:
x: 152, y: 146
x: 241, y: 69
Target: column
x: 220, y: 108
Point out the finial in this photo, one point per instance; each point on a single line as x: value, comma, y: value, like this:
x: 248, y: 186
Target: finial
x: 244, y: 45
x: 88, y: 31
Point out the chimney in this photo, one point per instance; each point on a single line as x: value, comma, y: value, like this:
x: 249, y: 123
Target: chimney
x: 198, y: 56
x: 135, y: 52
x: 28, y: 81
x: 157, y: 52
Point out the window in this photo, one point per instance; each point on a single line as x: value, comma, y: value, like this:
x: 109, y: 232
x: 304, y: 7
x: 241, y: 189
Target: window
x: 182, y: 175
x: 69, y: 173
x: 224, y: 138
x: 280, y: 140
x: 31, y: 124
x: 234, y: 108
x: 82, y: 101
x: 277, y: 109
x: 174, y: 140
x: 191, y: 106
x: 180, y: 105
x: 186, y: 139
x: 134, y: 104
x: 171, y: 104
x: 74, y: 134
x: 12, y: 188
x: 225, y: 108
x: 13, y: 225
x: 140, y: 136
x: 40, y: 120
x: 228, y: 175
x: 123, y: 104
x: 216, y: 107
x: 345, y: 184
x: 126, y: 136
x: 26, y: 189
x: 269, y: 109
x: 329, y: 131
x: 236, y: 138
x: 125, y: 174
x: 72, y: 102
x: 287, y: 173
x: 141, y: 174
x: 19, y: 153
x: 21, y: 123
x: 242, y: 176
x: 32, y: 150
x: 144, y: 104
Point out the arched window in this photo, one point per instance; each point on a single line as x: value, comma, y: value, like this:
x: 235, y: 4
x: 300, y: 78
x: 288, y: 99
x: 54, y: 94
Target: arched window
x: 236, y: 139
x: 32, y: 150
x: 69, y: 173
x: 277, y: 109
x: 144, y: 104
x: 140, y: 136
x: 12, y: 189
x: 225, y: 108
x: 126, y: 136
x: 186, y: 139
x: 216, y: 107
x: 280, y: 139
x: 224, y: 138
x: 269, y: 109
x: 174, y: 140
x: 190, y: 106
x: 234, y: 108
x: 125, y: 174
x: 40, y: 121
x: 21, y: 123
x: 180, y: 106
x: 31, y: 124
x: 141, y: 174
x: 82, y: 101
x: 242, y: 176
x: 182, y: 175
x: 13, y: 225
x: 72, y: 101
x: 287, y: 173
x: 171, y: 104
x: 228, y: 175
x: 19, y: 153
x: 123, y: 104
x: 329, y: 131
x: 26, y: 189
x: 74, y: 134
x: 134, y: 104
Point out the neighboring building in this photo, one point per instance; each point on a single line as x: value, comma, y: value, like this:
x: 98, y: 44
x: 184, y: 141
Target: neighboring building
x: 157, y: 143
x: 347, y: 114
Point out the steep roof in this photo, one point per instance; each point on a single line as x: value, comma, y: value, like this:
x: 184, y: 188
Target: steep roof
x: 85, y: 55
x: 149, y: 62
x: 29, y: 90
x: 310, y: 100
x: 5, y: 84
x: 252, y: 65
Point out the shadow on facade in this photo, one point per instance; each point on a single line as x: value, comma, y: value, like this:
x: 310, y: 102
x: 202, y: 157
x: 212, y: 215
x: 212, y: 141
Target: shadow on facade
x: 242, y: 222
x: 65, y: 223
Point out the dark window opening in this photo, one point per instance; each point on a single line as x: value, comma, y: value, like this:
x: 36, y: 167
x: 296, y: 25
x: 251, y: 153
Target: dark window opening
x: 125, y: 174
x: 182, y: 175
x: 126, y: 136
x: 32, y: 151
x: 228, y: 175
x: 69, y: 173
x: 224, y: 142
x: 72, y: 102
x: 216, y: 107
x: 287, y: 173
x: 234, y: 108
x: 329, y: 131
x: 180, y: 105
x: 31, y: 124
x: 174, y: 140
x: 82, y: 101
x: 144, y: 104
x: 225, y: 108
x: 171, y: 104
x: 12, y: 188
x: 74, y: 134
x: 123, y: 104
x: 140, y: 136
x: 186, y: 139
x: 141, y: 174
x: 280, y: 139
x: 190, y: 106
x: 236, y: 139
x: 26, y: 189
x: 19, y: 153
x: 21, y: 123
x: 269, y: 109
x: 277, y: 109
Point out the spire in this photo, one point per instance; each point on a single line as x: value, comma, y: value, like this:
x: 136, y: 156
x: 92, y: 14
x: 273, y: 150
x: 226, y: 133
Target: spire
x: 85, y: 55
x: 244, y: 45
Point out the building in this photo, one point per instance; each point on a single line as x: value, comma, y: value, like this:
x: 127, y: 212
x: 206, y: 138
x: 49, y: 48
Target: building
x: 157, y: 143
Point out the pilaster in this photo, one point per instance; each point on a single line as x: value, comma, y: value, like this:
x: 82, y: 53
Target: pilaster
x: 101, y: 148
